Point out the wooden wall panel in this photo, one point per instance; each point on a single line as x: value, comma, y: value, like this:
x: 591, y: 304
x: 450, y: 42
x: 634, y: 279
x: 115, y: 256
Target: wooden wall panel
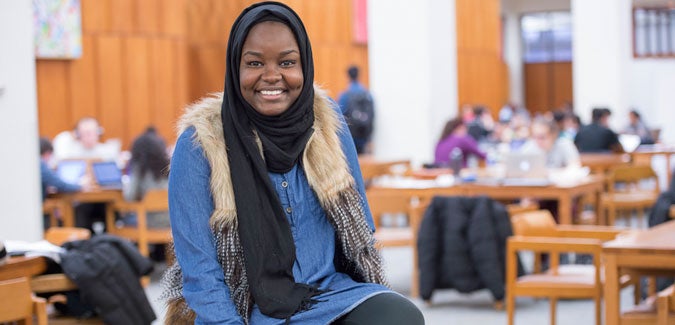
x: 95, y: 15
x: 562, y: 89
x: 111, y: 102
x: 163, y: 56
x: 207, y: 69
x: 537, y: 86
x: 123, y: 23
x: 137, y: 85
x: 144, y: 60
x: 547, y: 85
x: 481, y: 72
x: 83, y: 82
x: 172, y: 18
x: 148, y: 16
x: 52, y: 95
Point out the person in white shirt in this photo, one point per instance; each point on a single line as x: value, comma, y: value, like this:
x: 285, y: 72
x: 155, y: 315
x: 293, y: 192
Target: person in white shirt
x: 545, y: 137
x: 85, y: 142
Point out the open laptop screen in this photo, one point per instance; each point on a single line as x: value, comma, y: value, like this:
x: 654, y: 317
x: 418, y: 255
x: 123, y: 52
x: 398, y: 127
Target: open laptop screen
x: 107, y: 173
x: 71, y: 171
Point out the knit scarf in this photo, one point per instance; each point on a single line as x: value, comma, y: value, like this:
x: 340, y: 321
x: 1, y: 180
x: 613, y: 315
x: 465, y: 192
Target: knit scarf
x: 264, y: 231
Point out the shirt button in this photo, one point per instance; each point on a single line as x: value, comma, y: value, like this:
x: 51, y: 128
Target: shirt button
x: 284, y: 184
x: 289, y: 210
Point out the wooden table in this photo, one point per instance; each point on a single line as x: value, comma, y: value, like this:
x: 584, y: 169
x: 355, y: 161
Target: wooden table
x: 652, y: 250
x: 644, y: 154
x: 372, y: 167
x: 601, y: 163
x: 69, y: 200
x: 21, y: 266
x: 592, y: 186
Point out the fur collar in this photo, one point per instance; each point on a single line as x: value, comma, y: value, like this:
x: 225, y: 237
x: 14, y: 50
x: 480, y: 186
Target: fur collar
x: 326, y: 168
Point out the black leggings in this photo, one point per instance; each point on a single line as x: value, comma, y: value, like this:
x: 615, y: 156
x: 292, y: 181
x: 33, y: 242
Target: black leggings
x: 383, y: 309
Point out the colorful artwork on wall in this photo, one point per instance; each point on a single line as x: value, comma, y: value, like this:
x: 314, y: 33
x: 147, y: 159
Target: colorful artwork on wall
x: 58, y: 29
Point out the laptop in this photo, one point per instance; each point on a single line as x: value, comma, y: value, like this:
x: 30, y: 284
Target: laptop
x: 525, y: 169
x: 107, y: 174
x: 71, y: 171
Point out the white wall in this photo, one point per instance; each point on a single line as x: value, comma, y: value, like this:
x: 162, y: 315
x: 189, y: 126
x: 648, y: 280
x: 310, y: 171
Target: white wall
x: 413, y: 75
x: 651, y: 88
x: 602, y: 54
x: 512, y: 10
x: 20, y: 216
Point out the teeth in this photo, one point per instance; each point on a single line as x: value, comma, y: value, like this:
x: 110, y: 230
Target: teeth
x: 270, y: 92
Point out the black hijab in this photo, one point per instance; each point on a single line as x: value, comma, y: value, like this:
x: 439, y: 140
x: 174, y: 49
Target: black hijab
x: 264, y: 231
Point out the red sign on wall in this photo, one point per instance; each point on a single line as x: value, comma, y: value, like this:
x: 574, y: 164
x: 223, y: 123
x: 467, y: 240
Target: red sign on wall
x: 360, y: 21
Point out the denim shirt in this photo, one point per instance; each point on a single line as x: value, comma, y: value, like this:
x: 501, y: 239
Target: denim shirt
x: 204, y: 288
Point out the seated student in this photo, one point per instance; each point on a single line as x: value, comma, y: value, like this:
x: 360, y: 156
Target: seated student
x: 149, y: 166
x: 482, y: 124
x: 637, y: 127
x: 51, y: 182
x: 597, y: 136
x: 544, y: 137
x: 455, y: 135
x: 85, y: 142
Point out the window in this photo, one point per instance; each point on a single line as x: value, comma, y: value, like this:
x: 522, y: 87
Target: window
x: 547, y: 37
x: 654, y: 32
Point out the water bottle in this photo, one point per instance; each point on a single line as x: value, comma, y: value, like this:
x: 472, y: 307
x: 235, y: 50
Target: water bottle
x: 456, y: 160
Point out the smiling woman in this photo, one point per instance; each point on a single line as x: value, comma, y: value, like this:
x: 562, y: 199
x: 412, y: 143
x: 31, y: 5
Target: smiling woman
x: 274, y: 225
x: 270, y: 73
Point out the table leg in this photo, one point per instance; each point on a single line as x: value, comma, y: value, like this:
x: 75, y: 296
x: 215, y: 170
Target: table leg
x: 669, y: 172
x: 600, y: 218
x: 565, y: 210
x: 68, y: 214
x: 611, y: 290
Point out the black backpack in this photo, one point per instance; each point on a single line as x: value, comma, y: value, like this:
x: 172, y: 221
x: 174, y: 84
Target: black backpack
x: 359, y: 114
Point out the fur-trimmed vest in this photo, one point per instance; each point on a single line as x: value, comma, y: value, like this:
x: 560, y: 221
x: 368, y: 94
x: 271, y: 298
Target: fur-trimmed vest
x: 328, y: 175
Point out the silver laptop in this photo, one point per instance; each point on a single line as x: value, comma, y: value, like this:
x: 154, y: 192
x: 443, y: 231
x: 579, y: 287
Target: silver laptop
x: 525, y: 169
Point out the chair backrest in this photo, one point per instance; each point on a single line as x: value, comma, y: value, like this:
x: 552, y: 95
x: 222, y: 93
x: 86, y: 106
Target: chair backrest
x: 61, y: 235
x: 156, y: 200
x: 383, y: 202
x: 16, y: 301
x: 630, y: 177
x: 533, y: 223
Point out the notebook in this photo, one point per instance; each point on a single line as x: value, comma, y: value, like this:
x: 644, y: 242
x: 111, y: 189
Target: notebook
x: 526, y: 169
x: 107, y: 174
x: 71, y: 171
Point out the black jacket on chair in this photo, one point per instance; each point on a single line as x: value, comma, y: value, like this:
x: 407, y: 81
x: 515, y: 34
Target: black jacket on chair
x: 107, y: 270
x: 462, y: 245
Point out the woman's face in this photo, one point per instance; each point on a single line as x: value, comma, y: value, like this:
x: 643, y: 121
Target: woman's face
x: 270, y: 72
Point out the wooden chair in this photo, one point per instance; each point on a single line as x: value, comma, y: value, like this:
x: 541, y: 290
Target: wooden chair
x: 537, y: 231
x: 156, y: 200
x: 372, y: 168
x: 61, y: 235
x: 52, y: 207
x: 58, y: 282
x: 625, y: 193
x: 517, y: 208
x: 658, y: 309
x: 17, y: 303
x: 383, y: 202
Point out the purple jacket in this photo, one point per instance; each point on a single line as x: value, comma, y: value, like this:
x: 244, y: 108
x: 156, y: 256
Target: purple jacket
x: 466, y: 143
